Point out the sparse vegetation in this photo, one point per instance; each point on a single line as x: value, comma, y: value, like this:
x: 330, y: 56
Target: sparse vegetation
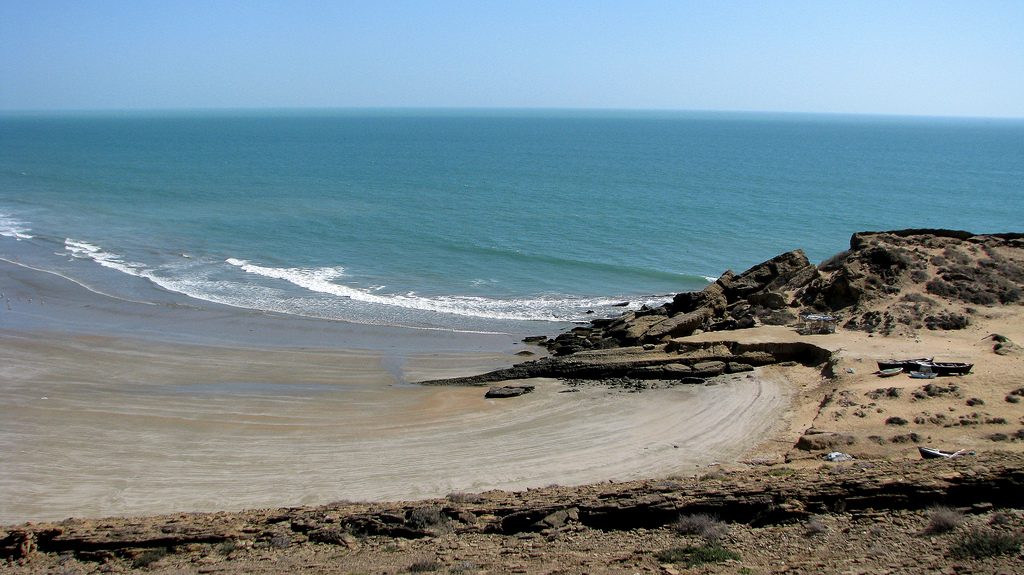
x: 693, y: 556
x: 982, y: 543
x: 280, y: 541
x: 815, y: 527
x: 430, y: 517
x: 707, y: 526
x: 147, y: 558
x: 460, y: 497
x: 1001, y: 518
x: 942, y: 519
x: 424, y: 566
x: 895, y: 421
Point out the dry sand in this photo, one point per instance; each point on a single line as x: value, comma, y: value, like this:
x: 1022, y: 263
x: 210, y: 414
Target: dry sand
x: 101, y: 424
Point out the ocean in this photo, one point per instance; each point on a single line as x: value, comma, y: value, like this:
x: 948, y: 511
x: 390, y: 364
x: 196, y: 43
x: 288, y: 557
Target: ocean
x: 505, y: 221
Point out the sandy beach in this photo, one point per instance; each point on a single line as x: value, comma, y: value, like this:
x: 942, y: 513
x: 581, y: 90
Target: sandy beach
x: 115, y: 408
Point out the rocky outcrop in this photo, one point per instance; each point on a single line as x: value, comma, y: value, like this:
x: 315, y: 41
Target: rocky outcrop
x: 503, y: 391
x: 732, y: 301
x: 885, y: 282
x: 676, y: 359
x: 918, y: 279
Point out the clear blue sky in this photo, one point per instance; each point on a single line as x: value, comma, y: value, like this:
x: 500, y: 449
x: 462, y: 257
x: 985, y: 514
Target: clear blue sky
x: 963, y: 58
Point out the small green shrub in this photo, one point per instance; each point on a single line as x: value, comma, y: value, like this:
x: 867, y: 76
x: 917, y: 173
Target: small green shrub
x: 696, y: 555
x: 981, y: 543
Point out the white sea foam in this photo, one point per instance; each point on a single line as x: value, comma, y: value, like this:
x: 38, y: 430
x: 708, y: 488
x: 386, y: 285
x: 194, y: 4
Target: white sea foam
x: 543, y: 309
x: 13, y: 228
x: 85, y: 250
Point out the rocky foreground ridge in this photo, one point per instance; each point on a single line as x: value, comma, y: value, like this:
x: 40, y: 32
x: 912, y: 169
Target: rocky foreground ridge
x: 608, y: 527
x: 889, y: 283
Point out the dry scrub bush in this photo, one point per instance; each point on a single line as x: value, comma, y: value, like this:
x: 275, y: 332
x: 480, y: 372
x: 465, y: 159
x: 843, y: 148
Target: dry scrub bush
x: 815, y: 527
x: 430, y: 517
x: 702, y: 524
x: 982, y: 543
x: 942, y: 519
x: 147, y: 558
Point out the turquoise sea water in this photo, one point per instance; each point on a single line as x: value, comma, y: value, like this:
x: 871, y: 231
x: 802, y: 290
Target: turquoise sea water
x: 470, y: 219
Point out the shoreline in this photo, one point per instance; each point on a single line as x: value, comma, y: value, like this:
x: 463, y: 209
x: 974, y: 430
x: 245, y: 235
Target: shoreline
x: 122, y: 409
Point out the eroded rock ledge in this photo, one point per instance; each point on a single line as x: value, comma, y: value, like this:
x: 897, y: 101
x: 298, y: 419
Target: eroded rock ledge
x: 689, y: 362
x: 758, y: 497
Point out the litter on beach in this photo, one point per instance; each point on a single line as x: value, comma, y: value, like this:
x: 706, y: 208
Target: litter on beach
x: 931, y: 453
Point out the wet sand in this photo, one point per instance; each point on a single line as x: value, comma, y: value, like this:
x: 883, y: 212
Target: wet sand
x: 119, y: 408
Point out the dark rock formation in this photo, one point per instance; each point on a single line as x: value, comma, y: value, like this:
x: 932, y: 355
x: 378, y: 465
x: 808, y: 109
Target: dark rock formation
x: 508, y: 391
x: 676, y: 359
x: 886, y: 281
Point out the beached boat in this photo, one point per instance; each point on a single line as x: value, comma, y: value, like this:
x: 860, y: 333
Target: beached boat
x: 890, y: 372
x: 926, y: 364
x: 951, y: 367
x: 905, y: 364
x: 932, y: 453
x: 923, y: 374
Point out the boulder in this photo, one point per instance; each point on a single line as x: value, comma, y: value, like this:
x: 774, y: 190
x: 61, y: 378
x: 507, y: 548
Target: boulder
x: 708, y: 368
x: 827, y: 440
x: 679, y: 325
x: 631, y: 332
x: 771, y: 274
x: 499, y: 391
x: 712, y: 297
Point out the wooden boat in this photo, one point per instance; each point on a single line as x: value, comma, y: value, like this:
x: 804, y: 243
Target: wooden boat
x: 951, y: 367
x: 923, y: 374
x: 926, y: 364
x: 932, y: 453
x: 890, y: 372
x: 905, y: 364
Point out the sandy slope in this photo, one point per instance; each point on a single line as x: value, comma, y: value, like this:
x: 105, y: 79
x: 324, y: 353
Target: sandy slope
x: 97, y: 426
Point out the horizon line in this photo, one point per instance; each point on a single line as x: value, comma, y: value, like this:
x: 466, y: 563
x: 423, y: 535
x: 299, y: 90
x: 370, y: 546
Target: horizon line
x: 476, y: 109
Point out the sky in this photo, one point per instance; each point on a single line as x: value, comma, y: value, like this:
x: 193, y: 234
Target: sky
x: 944, y: 58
